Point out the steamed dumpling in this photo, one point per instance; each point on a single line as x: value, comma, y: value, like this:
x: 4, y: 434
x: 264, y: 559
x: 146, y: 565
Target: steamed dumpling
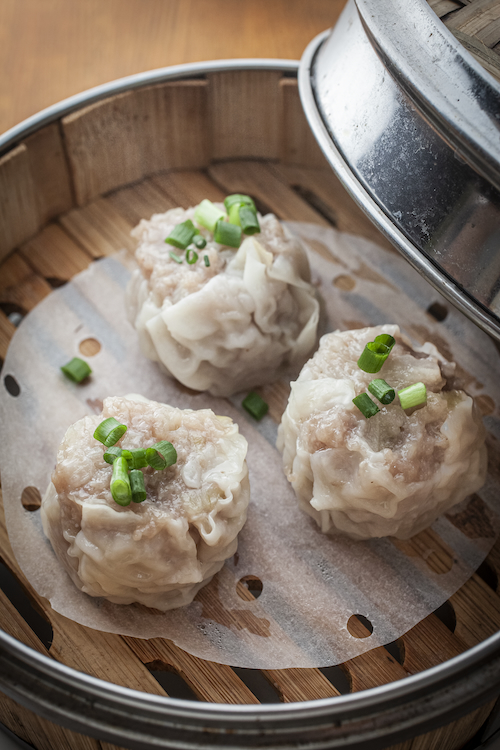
x: 242, y: 321
x: 162, y: 551
x: 394, y: 473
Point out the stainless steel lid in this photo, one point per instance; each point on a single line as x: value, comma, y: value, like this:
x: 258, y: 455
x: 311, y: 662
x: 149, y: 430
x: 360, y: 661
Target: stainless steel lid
x: 410, y: 122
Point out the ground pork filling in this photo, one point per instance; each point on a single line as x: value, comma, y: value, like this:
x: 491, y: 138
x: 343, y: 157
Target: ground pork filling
x: 162, y: 551
x: 392, y: 474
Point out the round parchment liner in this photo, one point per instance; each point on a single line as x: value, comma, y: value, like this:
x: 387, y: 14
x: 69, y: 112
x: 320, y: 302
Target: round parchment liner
x: 312, y: 584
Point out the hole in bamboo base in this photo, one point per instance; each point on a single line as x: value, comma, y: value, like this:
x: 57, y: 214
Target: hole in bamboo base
x: 488, y: 574
x: 359, y: 626
x: 12, y: 386
x: 171, y: 681
x: 31, y: 498
x: 397, y: 650
x: 14, y: 313
x: 447, y: 615
x: 344, y: 282
x: 26, y: 608
x: 252, y: 584
x: 338, y: 677
x: 256, y: 682
x: 89, y: 347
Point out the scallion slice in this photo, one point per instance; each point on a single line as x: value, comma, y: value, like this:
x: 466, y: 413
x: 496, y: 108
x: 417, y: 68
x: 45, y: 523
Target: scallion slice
x: 382, y: 390
x: 386, y: 339
x: 366, y: 406
x: 112, y: 454
x: 207, y: 214
x: 182, y: 235
x: 234, y: 214
x: 207, y: 260
x: 200, y: 242
x: 160, y: 455
x: 413, y: 395
x: 239, y: 200
x: 137, y: 486
x: 373, y: 357
x: 136, y: 459
x: 255, y: 405
x: 248, y: 220
x: 76, y: 370
x: 109, y: 432
x: 120, y: 483
x: 175, y: 257
x: 227, y: 234
x: 191, y: 256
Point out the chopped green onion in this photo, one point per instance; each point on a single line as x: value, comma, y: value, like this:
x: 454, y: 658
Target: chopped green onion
x: 182, y: 235
x: 255, y: 405
x: 366, y: 406
x: 120, y: 483
x: 136, y: 459
x: 175, y: 257
x: 207, y: 214
x: 207, y: 260
x: 227, y: 234
x: 109, y: 432
x: 239, y: 200
x: 413, y: 395
x: 373, y: 357
x: 386, y: 339
x: 137, y: 486
x: 191, y: 256
x: 112, y: 454
x: 234, y: 214
x: 248, y: 220
x: 76, y: 370
x: 382, y: 391
x: 200, y: 242
x: 160, y: 455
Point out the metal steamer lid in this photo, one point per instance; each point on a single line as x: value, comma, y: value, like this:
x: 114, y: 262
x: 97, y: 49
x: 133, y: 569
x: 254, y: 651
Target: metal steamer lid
x: 410, y: 123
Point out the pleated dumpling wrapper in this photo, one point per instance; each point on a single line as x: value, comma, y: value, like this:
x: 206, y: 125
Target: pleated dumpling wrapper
x: 235, y: 318
x: 391, y: 474
x: 161, y: 551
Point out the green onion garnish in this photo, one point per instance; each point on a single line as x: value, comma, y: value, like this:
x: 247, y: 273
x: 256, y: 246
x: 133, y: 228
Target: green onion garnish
x: 207, y: 214
x: 234, y: 214
x: 366, y: 406
x: 112, y: 454
x: 137, y: 486
x: 175, y: 257
x: 385, y: 338
x: 135, y: 459
x: 248, y: 220
x: 120, y: 483
x: 255, y: 405
x: 200, y: 242
x: 182, y: 235
x: 239, y: 200
x: 376, y: 352
x: 76, y: 370
x: 227, y: 234
x: 191, y: 256
x: 207, y: 260
x: 382, y: 391
x: 413, y: 395
x: 109, y: 432
x: 160, y: 455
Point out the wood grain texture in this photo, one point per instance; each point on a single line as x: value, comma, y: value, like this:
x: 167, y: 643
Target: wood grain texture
x: 18, y: 215
x: 297, y: 144
x: 124, y: 138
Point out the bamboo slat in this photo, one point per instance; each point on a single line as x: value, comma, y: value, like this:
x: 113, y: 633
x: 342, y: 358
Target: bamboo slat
x: 129, y: 136
x: 53, y: 254
x: 298, y: 145
x: 18, y: 215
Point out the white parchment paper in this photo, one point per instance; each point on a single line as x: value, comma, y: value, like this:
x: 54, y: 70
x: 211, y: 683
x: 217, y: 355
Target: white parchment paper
x: 312, y: 583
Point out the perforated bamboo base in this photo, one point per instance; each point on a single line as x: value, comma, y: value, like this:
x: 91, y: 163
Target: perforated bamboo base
x: 71, y: 193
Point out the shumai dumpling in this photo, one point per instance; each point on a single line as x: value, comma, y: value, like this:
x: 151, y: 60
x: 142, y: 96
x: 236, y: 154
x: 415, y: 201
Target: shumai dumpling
x: 391, y: 474
x: 161, y: 551
x: 248, y: 317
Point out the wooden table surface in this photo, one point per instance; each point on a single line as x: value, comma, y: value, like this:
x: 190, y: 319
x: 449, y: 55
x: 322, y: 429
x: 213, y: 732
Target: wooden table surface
x: 51, y: 49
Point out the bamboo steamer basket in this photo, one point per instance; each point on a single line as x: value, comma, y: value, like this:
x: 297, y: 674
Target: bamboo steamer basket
x: 71, y: 189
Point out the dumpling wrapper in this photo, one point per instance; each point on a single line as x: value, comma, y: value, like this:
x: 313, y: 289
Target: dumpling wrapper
x: 394, y: 473
x: 162, y: 551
